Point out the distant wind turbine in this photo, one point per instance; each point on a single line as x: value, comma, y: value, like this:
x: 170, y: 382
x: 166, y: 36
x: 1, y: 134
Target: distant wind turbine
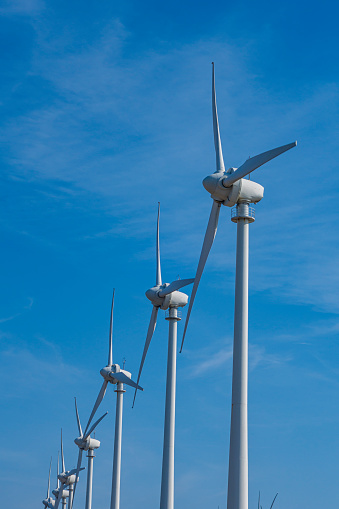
x: 166, y: 296
x: 67, y: 478
x: 113, y: 374
x: 86, y: 443
x: 230, y: 188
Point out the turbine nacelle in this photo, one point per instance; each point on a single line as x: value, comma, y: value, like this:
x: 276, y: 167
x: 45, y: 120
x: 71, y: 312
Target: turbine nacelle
x: 48, y: 502
x: 88, y: 443
x: 65, y: 493
x: 240, y: 191
x: 68, y: 477
x: 108, y: 373
x: 173, y: 299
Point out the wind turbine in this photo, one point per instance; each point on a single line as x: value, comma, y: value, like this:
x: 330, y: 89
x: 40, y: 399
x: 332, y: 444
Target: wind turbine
x: 166, y: 296
x: 86, y: 443
x: 113, y: 374
x: 67, y: 478
x: 229, y: 188
x: 60, y: 493
x: 48, y: 501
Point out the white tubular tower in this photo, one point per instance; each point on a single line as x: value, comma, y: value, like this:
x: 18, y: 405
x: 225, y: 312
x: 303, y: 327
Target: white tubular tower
x: 89, y: 489
x: 237, y: 496
x: 167, y: 480
x: 115, y: 497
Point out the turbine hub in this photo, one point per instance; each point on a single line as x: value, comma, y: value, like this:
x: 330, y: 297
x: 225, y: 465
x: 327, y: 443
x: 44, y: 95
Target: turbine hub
x: 107, y: 370
x: 153, y: 294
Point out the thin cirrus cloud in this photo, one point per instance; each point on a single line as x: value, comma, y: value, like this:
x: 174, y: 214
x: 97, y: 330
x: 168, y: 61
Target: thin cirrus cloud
x: 141, y: 109
x: 147, y: 119
x: 21, y: 7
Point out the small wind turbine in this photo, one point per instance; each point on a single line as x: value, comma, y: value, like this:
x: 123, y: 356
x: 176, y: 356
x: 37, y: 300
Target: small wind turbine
x: 60, y: 493
x: 166, y: 296
x: 86, y: 443
x: 113, y: 374
x: 230, y: 188
x: 48, y: 501
x: 67, y: 478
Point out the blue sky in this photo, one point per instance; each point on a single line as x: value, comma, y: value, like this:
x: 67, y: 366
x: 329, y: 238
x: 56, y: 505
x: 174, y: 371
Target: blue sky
x: 106, y: 110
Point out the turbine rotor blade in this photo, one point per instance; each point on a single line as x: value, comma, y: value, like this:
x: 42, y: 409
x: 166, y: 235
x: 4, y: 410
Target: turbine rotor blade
x: 206, y: 247
x: 273, y: 501
x: 75, y: 471
x: 254, y: 162
x: 110, y: 351
x: 77, y: 475
x: 94, y: 426
x: 58, y: 482
x: 125, y: 380
x: 216, y: 132
x: 62, y: 455
x: 175, y: 285
x: 158, y: 274
x: 49, y: 479
x: 97, y: 403
x: 151, y: 329
x: 78, y: 418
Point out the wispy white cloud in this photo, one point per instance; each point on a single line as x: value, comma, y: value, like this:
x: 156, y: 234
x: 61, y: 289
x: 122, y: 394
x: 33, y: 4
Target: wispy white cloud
x: 15, y: 315
x: 132, y: 130
x: 36, y: 371
x: 21, y: 7
x: 257, y: 356
x: 9, y: 318
x: 213, y: 362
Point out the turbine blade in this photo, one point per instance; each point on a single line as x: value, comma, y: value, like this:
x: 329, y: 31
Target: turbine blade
x: 75, y: 470
x: 62, y: 455
x: 78, y: 418
x: 49, y: 479
x: 59, y: 496
x: 206, y: 247
x: 175, y: 285
x: 273, y: 501
x: 158, y: 275
x: 94, y: 426
x: 110, y: 351
x: 125, y: 380
x: 77, y: 474
x: 254, y: 162
x: 97, y: 403
x: 151, y: 329
x: 217, y: 140
x: 58, y: 482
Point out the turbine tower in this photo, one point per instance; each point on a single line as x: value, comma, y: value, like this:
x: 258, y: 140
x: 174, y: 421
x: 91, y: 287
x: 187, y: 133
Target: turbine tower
x: 229, y: 188
x: 86, y: 443
x: 113, y: 374
x: 166, y: 296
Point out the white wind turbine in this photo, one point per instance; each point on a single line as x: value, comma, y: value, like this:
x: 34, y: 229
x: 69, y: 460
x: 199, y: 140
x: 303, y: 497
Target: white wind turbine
x: 60, y: 493
x: 229, y: 188
x: 113, y: 374
x: 166, y: 296
x: 67, y: 478
x: 86, y: 443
